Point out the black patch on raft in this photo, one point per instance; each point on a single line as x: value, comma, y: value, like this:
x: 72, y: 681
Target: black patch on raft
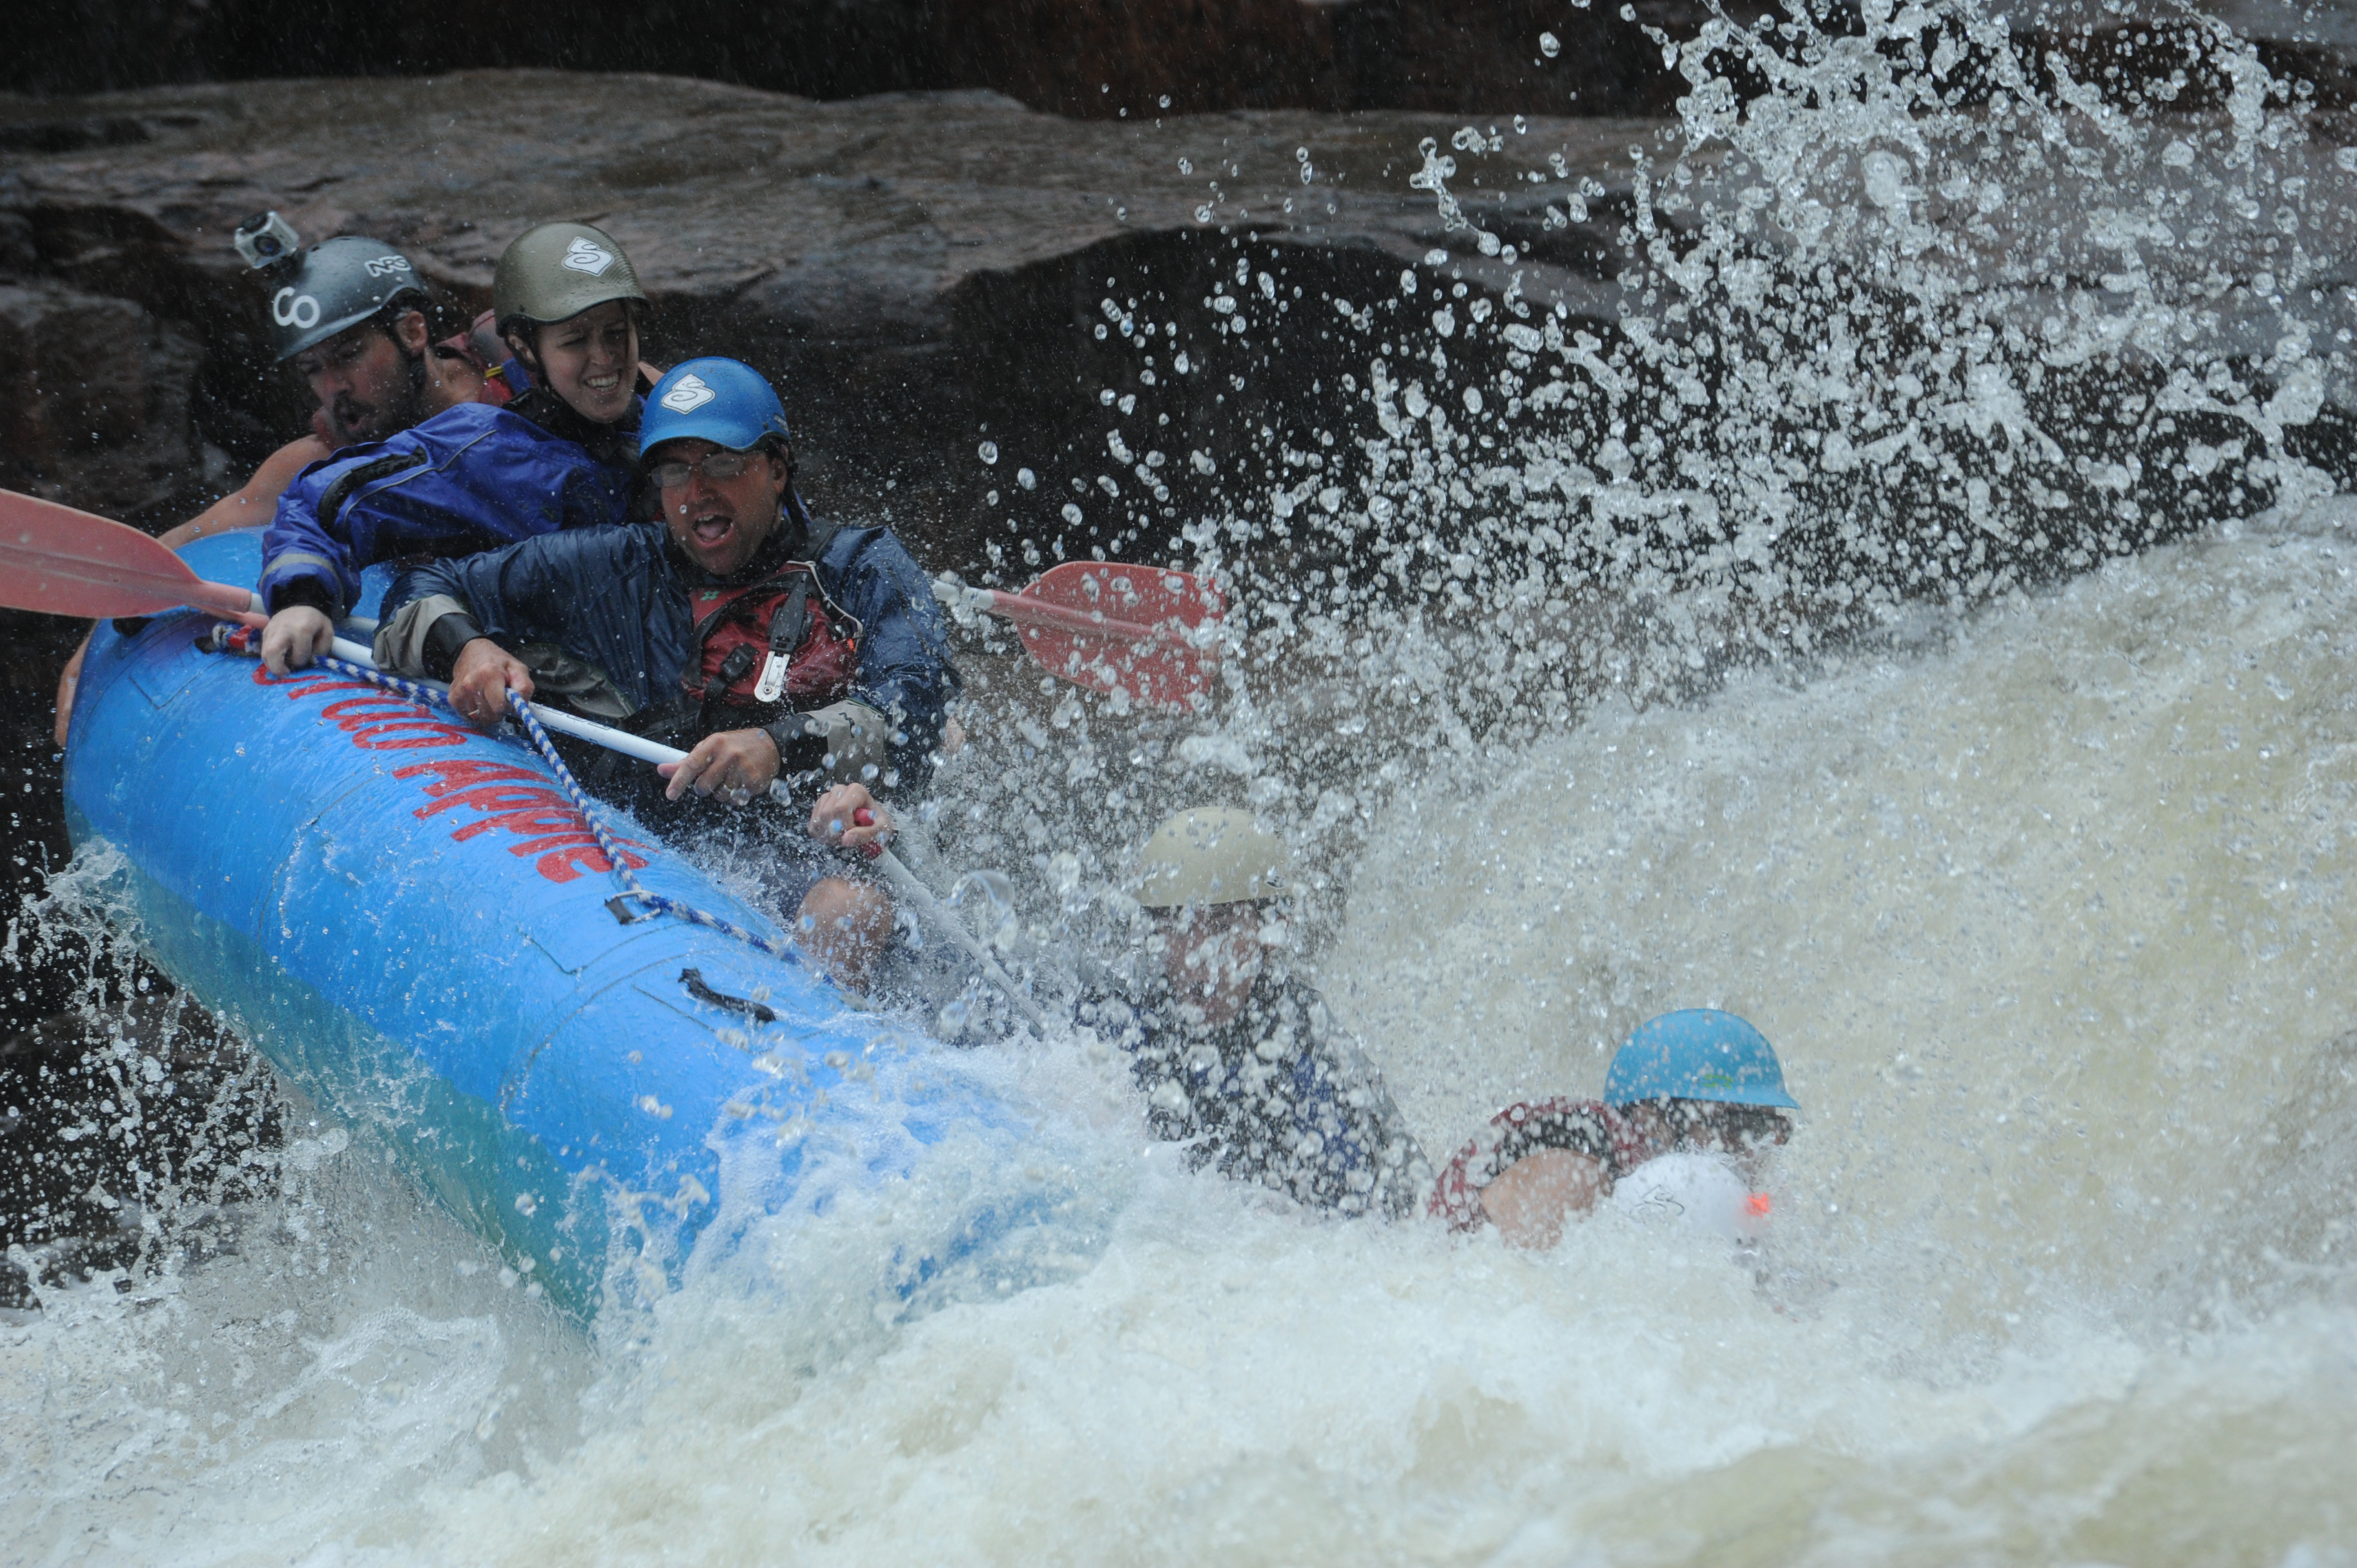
x: 693, y: 980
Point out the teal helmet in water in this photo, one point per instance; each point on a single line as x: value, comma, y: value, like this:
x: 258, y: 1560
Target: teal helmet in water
x: 1697, y: 1054
x: 724, y: 401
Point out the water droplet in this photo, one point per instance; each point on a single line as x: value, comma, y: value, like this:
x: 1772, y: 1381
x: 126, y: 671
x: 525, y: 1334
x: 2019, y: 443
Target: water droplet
x: 1186, y: 166
x: 1027, y: 478
x: 1073, y: 514
x: 987, y: 451
x: 1435, y: 258
x: 1549, y: 45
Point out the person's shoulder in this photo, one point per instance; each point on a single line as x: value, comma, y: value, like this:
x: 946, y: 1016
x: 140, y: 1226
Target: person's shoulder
x: 637, y: 547
x: 464, y: 423
x: 403, y: 444
x: 863, y: 548
x: 275, y: 472
x: 1293, y: 991
x: 435, y: 437
x: 475, y: 417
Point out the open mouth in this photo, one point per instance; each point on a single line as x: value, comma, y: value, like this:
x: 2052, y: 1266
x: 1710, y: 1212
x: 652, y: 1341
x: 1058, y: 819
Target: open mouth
x: 711, y: 529
x: 602, y: 385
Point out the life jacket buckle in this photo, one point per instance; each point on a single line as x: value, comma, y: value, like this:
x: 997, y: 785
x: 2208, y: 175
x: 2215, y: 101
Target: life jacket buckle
x: 773, y: 678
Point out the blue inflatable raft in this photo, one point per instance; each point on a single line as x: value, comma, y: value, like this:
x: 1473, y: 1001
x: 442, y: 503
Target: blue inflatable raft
x: 410, y: 920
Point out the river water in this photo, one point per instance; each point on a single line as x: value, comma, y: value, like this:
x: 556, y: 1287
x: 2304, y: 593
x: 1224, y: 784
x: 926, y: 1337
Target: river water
x: 2029, y: 849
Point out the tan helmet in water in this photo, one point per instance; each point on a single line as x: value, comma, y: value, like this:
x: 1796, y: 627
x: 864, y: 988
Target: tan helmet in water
x: 1213, y: 854
x: 557, y: 270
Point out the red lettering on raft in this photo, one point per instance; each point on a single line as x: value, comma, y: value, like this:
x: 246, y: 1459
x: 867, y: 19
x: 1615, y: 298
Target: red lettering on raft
x: 458, y: 774
x: 520, y: 801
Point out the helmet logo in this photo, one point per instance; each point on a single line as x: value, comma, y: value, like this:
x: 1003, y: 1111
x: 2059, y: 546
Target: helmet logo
x: 385, y: 266
x: 585, y: 255
x: 689, y: 395
x: 291, y: 309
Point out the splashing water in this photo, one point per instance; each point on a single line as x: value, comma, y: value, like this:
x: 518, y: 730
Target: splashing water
x: 1903, y: 602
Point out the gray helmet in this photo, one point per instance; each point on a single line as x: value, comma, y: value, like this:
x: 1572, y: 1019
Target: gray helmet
x: 1210, y: 856
x: 557, y: 270
x: 337, y: 284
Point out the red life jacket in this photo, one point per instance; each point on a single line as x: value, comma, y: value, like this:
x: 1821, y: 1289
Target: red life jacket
x: 771, y: 647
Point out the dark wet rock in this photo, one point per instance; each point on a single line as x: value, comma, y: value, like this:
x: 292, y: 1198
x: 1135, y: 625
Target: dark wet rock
x: 1085, y: 57
x: 71, y: 135
x: 83, y: 377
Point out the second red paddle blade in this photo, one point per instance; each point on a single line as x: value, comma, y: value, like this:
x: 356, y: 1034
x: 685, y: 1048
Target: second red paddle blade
x: 1167, y: 670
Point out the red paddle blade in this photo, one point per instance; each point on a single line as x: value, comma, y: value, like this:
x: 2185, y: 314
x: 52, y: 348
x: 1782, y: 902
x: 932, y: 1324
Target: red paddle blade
x: 71, y: 563
x: 1114, y: 628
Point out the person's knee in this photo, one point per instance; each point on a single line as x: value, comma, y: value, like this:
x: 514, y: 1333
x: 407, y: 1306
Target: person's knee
x: 838, y: 904
x: 846, y: 923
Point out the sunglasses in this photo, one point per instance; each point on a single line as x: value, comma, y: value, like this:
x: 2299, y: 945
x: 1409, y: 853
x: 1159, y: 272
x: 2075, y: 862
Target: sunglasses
x: 717, y: 467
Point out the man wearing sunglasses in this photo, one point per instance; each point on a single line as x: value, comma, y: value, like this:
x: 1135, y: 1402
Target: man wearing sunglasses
x: 738, y: 628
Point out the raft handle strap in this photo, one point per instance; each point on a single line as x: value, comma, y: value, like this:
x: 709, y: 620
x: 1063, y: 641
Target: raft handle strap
x: 693, y: 980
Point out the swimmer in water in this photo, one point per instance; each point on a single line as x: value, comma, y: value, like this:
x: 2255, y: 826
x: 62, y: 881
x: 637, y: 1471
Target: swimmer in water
x: 1697, y: 1082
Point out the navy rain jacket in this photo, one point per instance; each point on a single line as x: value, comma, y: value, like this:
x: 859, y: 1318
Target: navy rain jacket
x: 619, y: 597
x: 469, y: 478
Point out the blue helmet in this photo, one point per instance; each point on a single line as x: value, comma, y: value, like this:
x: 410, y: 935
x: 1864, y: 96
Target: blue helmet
x: 724, y: 401
x: 1698, y: 1054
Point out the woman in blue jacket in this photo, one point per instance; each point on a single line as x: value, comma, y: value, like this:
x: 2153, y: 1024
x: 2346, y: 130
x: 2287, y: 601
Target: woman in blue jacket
x: 560, y: 456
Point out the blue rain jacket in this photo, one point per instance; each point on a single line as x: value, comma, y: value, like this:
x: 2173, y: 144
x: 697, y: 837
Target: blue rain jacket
x: 469, y: 478
x: 619, y: 597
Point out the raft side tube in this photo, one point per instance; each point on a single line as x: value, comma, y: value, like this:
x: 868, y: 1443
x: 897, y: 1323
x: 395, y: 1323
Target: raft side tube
x: 409, y: 919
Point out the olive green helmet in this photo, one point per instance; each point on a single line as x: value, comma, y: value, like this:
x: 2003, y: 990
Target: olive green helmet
x: 1213, y: 854
x: 557, y: 270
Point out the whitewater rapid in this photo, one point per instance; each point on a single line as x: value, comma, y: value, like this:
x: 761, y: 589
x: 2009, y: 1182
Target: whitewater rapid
x: 2048, y: 908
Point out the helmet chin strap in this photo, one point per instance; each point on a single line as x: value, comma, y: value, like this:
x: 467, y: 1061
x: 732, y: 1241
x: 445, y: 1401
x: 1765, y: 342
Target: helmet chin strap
x: 416, y: 372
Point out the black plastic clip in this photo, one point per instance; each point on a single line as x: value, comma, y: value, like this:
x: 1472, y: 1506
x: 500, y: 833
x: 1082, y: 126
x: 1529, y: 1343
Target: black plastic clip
x: 693, y: 980
x: 618, y: 906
